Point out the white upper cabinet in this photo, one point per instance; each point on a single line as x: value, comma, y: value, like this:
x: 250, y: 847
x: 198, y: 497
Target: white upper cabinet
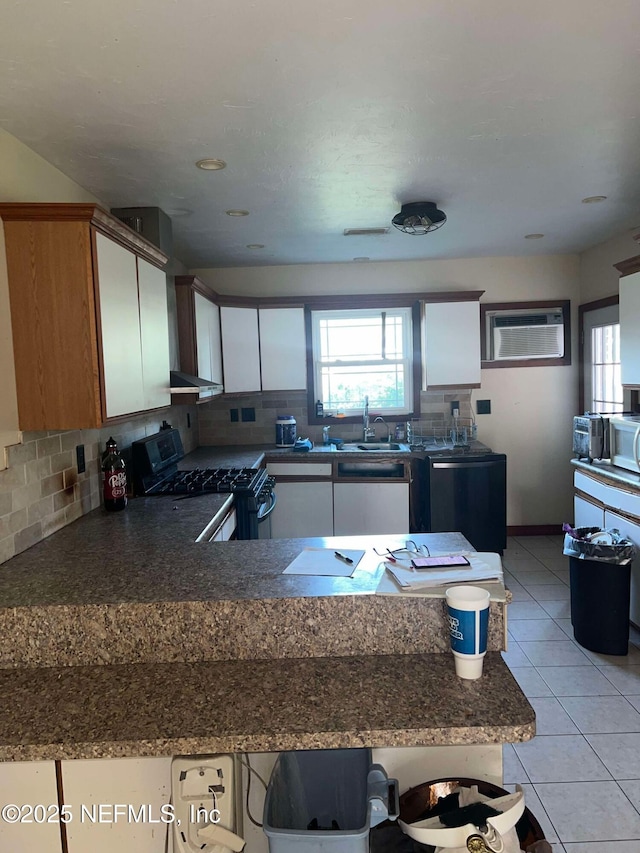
x: 154, y: 335
x: 283, y: 364
x: 452, y: 344
x: 120, y: 324
x: 629, y: 325
x: 240, y: 349
x: 208, y: 341
x: 135, y: 330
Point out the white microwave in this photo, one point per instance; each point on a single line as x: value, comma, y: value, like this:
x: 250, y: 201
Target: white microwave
x: 624, y: 439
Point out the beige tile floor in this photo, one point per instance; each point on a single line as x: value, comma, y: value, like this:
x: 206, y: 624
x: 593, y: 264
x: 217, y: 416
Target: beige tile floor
x: 581, y: 772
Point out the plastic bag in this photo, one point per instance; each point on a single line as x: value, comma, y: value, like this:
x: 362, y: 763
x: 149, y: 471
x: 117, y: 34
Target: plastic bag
x: 592, y: 543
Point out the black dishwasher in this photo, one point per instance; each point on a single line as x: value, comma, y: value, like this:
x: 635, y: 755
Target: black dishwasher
x: 467, y: 493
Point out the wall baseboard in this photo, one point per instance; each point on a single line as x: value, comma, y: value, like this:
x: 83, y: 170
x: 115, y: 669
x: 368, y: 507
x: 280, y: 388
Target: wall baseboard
x: 535, y: 530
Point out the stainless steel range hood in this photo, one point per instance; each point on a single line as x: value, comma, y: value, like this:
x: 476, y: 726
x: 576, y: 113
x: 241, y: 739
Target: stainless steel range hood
x: 192, y: 388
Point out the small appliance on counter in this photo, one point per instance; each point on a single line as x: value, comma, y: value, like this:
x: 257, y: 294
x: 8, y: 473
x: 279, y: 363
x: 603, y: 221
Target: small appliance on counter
x: 624, y: 437
x: 591, y: 436
x: 286, y: 431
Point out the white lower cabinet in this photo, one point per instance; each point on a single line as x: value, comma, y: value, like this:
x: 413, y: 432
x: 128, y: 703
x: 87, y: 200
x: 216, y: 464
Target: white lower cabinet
x: 28, y: 784
x: 369, y: 508
x: 303, y: 509
x: 587, y: 514
x: 93, y: 788
x: 631, y: 530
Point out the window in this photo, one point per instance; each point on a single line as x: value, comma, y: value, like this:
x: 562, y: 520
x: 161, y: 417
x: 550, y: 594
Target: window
x: 363, y: 352
x: 606, y: 387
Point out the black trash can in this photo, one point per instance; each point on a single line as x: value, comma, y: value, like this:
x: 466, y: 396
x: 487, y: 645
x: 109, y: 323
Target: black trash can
x: 600, y: 593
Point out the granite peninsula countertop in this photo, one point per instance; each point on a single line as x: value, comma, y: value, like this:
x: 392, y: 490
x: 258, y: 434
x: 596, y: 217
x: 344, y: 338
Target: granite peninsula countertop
x: 120, y: 636
x: 254, y: 706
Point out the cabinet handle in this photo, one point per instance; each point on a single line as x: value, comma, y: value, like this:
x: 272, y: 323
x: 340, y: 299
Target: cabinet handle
x: 462, y: 464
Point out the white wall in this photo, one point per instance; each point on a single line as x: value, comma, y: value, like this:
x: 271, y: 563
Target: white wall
x: 531, y: 408
x: 24, y: 177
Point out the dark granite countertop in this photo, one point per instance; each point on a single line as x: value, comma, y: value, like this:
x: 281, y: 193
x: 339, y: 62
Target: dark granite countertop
x: 120, y: 635
x: 606, y: 471
x: 265, y: 705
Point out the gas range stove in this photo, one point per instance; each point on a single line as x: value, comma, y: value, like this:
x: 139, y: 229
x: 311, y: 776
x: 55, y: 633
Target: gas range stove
x: 155, y: 473
x: 207, y: 480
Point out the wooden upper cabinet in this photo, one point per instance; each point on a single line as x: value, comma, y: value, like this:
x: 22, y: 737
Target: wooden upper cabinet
x: 88, y: 313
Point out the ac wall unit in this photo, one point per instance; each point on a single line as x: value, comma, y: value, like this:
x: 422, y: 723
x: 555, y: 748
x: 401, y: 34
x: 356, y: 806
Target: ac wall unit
x: 526, y: 336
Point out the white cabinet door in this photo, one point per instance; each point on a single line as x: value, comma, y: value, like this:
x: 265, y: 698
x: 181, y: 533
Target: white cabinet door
x: 361, y: 508
x: 135, y: 782
x: 283, y: 349
x: 33, y: 783
x: 303, y: 509
x: 587, y: 514
x: 208, y: 342
x: 632, y: 532
x: 120, y: 324
x: 154, y: 335
x: 629, y: 324
x: 452, y: 344
x: 240, y: 349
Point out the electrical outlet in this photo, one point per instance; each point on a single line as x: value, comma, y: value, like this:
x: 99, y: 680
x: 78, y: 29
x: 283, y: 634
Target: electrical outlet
x: 455, y: 404
x: 188, y: 421
x: 80, y: 460
x: 248, y: 413
x: 483, y: 407
x: 233, y: 416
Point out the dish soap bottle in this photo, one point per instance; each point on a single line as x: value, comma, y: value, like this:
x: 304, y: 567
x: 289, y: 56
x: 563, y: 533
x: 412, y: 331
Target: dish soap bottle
x: 319, y: 409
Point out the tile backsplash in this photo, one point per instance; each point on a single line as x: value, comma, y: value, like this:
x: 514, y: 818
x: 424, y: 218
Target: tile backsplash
x: 217, y: 423
x: 41, y: 489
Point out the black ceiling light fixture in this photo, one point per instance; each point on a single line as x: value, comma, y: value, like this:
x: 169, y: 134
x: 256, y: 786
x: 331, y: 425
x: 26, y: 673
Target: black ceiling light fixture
x: 419, y: 217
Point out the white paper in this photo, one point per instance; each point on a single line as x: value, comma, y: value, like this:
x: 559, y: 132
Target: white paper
x: 323, y: 561
x: 485, y: 570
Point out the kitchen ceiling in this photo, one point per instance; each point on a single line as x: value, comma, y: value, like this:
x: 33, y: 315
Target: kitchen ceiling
x: 332, y: 114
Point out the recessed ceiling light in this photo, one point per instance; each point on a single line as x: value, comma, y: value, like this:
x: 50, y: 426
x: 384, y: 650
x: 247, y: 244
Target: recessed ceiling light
x: 255, y: 245
x: 178, y: 211
x: 361, y: 260
x: 533, y: 236
x: 594, y: 199
x: 211, y: 164
x: 237, y: 212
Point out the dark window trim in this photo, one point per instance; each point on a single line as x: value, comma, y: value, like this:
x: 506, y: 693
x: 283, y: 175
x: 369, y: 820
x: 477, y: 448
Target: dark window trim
x: 347, y: 304
x: 544, y: 304
x: 582, y: 310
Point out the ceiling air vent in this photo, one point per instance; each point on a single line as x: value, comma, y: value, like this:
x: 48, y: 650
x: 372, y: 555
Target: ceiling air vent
x: 365, y: 232
x: 524, y: 336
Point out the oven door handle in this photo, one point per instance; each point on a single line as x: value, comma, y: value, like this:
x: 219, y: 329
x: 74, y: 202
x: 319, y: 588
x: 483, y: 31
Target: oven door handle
x: 270, y: 508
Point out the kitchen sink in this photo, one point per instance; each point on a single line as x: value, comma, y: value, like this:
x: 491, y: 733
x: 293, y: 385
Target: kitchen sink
x: 378, y: 446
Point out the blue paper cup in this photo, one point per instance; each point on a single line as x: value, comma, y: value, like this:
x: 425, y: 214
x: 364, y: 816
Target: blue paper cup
x: 468, y: 613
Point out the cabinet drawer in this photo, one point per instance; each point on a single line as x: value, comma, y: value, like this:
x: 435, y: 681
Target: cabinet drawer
x: 299, y: 469
x: 593, y: 488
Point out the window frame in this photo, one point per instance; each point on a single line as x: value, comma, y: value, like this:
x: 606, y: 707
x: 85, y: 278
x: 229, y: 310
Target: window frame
x: 365, y: 304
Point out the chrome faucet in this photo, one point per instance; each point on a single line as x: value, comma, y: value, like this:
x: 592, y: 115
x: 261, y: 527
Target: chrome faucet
x: 367, y: 431
x: 380, y: 418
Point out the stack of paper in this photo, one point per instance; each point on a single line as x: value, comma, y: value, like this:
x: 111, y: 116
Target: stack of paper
x: 400, y: 576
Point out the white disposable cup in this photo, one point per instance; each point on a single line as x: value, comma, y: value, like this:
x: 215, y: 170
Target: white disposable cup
x: 468, y: 614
